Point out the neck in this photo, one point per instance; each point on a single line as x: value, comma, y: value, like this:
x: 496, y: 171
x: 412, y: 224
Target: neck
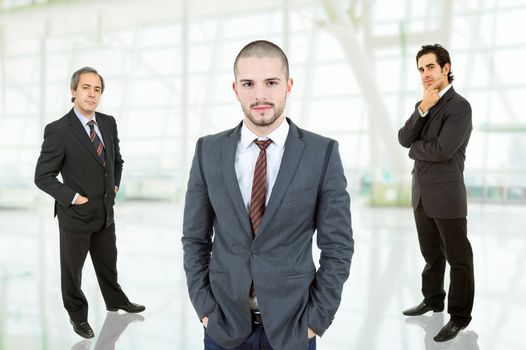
x: 444, y: 86
x: 87, y: 114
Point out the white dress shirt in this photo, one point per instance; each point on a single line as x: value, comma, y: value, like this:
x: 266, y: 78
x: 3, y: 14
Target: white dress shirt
x: 247, y: 154
x: 84, y: 121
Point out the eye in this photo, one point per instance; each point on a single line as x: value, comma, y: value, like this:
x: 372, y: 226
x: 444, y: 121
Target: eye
x: 247, y: 84
x: 272, y: 83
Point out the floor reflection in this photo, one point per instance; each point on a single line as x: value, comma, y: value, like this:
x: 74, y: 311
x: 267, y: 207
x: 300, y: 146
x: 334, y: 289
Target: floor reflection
x: 431, y: 325
x: 114, y: 325
x: 385, y: 278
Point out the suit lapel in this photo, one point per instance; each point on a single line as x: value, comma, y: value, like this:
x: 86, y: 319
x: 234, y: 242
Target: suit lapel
x: 229, y: 147
x: 435, y: 110
x: 104, y: 128
x: 80, y: 133
x: 289, y: 163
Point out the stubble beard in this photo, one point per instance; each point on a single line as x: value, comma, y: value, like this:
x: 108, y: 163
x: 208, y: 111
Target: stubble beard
x: 263, y: 121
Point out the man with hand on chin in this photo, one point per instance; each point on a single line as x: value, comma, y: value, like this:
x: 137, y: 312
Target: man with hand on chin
x: 83, y: 147
x: 437, y: 134
x: 256, y: 195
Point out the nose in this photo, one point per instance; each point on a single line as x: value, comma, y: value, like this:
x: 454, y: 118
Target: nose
x: 426, y: 74
x: 260, y: 93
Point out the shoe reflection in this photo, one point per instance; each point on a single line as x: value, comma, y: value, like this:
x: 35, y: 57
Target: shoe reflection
x: 114, y: 325
x: 465, y: 340
x: 81, y: 345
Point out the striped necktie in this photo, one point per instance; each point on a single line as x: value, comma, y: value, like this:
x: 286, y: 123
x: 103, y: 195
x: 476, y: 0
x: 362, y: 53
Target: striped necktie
x: 259, y: 186
x: 97, y: 143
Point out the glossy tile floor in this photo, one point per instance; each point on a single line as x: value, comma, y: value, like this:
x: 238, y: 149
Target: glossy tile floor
x: 385, y: 279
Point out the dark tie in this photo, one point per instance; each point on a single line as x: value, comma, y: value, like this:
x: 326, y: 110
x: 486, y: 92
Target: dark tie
x: 259, y: 186
x: 99, y: 147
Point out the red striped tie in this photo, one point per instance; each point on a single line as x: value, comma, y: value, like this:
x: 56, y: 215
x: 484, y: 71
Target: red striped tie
x: 97, y: 143
x: 259, y: 187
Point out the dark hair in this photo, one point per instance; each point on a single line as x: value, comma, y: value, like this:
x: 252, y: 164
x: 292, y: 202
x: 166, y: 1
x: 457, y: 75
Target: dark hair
x: 263, y: 48
x: 75, y: 78
x: 441, y: 55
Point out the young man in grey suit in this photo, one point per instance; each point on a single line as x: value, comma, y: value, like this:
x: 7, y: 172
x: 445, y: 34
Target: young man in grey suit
x: 437, y: 134
x: 83, y: 147
x: 256, y: 195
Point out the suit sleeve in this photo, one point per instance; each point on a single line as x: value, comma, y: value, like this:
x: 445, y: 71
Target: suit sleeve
x: 49, y: 165
x: 118, y: 158
x: 412, y: 128
x: 197, y: 240
x: 335, y: 240
x: 454, y: 132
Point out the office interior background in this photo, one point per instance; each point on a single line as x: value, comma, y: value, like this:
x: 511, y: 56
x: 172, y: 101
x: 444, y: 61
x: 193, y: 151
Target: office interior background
x: 168, y: 71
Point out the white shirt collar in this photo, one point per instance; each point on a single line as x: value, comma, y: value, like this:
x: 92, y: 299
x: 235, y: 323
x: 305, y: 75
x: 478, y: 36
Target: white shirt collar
x: 278, y: 136
x: 444, y: 90
x: 83, y: 119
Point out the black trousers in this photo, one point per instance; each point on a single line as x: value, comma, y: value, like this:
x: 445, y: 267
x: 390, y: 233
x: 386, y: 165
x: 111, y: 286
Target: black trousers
x: 74, y: 248
x: 444, y: 240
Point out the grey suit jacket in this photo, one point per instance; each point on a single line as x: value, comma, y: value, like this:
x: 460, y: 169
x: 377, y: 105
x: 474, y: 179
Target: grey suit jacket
x: 438, y: 144
x: 68, y: 150
x: 222, y: 258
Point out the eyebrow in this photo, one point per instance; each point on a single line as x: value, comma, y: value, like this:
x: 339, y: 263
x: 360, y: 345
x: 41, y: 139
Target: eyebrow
x: 427, y: 65
x: 96, y: 86
x: 250, y: 80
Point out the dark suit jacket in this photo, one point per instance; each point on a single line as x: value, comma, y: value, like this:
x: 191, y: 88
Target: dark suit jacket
x: 222, y: 258
x: 68, y: 150
x: 438, y: 144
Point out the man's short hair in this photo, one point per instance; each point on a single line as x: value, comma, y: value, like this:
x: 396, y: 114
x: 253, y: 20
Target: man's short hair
x: 440, y: 53
x: 75, y: 78
x: 263, y: 48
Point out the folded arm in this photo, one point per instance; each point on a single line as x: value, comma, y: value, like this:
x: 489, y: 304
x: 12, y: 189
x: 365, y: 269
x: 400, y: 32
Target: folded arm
x: 454, y: 132
x: 412, y: 128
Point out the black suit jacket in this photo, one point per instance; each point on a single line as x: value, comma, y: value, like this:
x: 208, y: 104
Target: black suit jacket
x: 68, y: 150
x: 438, y: 144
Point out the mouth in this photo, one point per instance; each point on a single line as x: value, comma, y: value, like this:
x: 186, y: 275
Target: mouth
x: 261, y: 107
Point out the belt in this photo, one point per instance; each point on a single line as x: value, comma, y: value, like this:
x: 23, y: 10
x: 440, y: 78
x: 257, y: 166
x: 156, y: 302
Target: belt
x: 256, y: 318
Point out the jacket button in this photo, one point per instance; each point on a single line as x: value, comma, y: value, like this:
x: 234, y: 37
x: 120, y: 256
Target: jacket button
x: 105, y: 195
x: 255, y: 252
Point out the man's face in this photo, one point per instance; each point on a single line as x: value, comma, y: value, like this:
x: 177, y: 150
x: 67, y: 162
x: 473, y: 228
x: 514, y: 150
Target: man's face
x: 431, y: 72
x: 262, y: 89
x: 87, y: 94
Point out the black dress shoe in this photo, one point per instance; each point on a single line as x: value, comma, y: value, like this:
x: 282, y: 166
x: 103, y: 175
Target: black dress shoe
x: 83, y: 329
x: 130, y: 307
x: 421, y: 309
x: 449, y: 331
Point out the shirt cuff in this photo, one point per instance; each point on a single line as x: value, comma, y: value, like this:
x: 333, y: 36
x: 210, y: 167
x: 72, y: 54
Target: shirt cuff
x: 422, y: 114
x: 75, y: 198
